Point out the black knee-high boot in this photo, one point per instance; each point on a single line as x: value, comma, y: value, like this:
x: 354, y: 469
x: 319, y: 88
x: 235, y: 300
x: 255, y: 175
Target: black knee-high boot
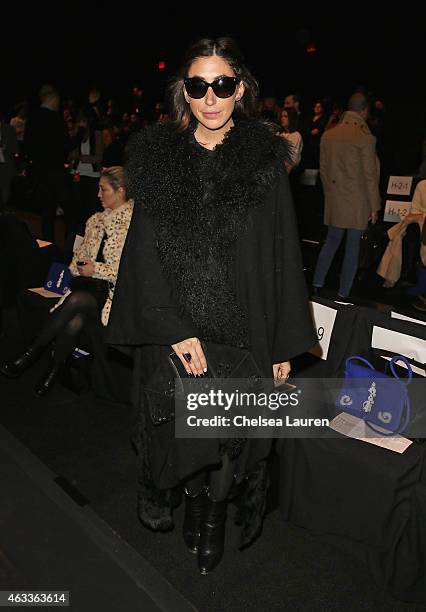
x: 77, y: 310
x: 48, y: 380
x: 212, y: 535
x: 63, y: 325
x: 17, y: 366
x: 194, y: 506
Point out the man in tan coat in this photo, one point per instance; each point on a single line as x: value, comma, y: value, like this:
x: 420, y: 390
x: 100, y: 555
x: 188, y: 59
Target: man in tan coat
x: 349, y: 170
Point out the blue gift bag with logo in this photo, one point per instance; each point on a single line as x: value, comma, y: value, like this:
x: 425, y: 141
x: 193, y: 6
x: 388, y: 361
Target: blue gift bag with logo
x: 58, y: 278
x: 380, y: 400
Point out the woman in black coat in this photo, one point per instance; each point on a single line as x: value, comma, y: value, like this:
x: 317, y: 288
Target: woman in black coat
x: 212, y: 255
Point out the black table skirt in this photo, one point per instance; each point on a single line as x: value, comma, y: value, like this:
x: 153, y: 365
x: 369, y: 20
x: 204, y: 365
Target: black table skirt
x: 371, y: 498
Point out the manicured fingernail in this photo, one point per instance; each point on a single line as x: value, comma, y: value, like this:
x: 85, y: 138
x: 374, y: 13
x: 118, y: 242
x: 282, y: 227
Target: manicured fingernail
x: 205, y: 370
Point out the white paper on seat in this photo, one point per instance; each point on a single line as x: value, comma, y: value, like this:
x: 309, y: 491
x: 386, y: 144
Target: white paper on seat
x: 45, y: 292
x: 353, y: 427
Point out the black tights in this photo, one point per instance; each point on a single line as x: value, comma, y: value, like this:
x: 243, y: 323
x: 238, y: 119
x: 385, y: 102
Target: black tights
x: 219, y: 481
x: 67, y: 322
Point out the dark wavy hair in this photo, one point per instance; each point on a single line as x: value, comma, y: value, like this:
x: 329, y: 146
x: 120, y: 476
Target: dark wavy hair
x: 227, y: 49
x: 293, y: 119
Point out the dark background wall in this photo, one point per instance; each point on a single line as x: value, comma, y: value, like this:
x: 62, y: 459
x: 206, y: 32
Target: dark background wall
x: 78, y: 44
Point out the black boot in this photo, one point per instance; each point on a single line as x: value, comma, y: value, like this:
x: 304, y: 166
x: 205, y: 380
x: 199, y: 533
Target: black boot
x: 212, y: 537
x: 191, y: 523
x: 47, y: 381
x: 13, y: 369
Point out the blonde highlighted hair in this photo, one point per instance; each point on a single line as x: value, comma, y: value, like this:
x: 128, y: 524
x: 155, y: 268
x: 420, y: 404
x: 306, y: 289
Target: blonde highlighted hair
x: 115, y: 176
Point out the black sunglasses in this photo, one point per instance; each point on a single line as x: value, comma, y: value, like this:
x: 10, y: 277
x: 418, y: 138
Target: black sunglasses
x: 223, y: 87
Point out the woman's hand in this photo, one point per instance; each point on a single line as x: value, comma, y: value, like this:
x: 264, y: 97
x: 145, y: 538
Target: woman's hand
x: 373, y: 217
x: 87, y: 270
x: 281, y: 371
x: 194, y: 360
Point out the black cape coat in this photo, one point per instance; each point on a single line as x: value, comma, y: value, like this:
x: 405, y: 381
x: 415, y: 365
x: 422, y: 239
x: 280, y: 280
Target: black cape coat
x: 218, y: 259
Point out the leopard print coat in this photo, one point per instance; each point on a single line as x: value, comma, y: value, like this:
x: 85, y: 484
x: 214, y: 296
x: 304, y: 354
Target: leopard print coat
x: 114, y: 223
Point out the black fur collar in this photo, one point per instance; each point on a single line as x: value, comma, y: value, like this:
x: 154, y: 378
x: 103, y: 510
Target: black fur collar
x: 159, y: 166
x: 198, y: 214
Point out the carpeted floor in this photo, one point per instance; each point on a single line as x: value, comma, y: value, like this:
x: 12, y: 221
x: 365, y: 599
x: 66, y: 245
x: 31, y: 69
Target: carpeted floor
x: 87, y: 441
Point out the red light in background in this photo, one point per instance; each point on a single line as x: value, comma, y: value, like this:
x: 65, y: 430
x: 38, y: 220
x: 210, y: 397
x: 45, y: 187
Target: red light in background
x: 161, y: 65
x: 311, y: 48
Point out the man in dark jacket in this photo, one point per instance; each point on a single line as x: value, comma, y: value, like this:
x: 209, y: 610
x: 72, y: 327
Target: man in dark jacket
x: 47, y: 144
x: 8, y: 151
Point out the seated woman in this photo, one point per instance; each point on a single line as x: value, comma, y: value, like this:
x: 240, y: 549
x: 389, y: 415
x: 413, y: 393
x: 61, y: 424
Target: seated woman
x: 406, y: 248
x: 289, y: 121
x: 98, y: 257
x: 87, y: 159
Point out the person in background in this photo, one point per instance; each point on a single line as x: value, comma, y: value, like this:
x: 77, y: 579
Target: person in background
x: 134, y: 123
x: 335, y: 115
x: 268, y: 107
x: 113, y: 149
x: 312, y: 131
x: 293, y: 101
x: 349, y: 170
x: 212, y: 256
x: 288, y: 121
x: 18, y: 123
x: 420, y: 302
x: 161, y: 113
x: 98, y: 257
x: 406, y: 249
x: 9, y: 151
x: 87, y: 160
x: 47, y: 145
x: 111, y: 113
x: 94, y: 111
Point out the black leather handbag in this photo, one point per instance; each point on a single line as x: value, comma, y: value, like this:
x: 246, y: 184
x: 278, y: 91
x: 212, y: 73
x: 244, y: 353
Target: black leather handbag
x: 223, y: 362
x: 98, y: 287
x: 372, y: 246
